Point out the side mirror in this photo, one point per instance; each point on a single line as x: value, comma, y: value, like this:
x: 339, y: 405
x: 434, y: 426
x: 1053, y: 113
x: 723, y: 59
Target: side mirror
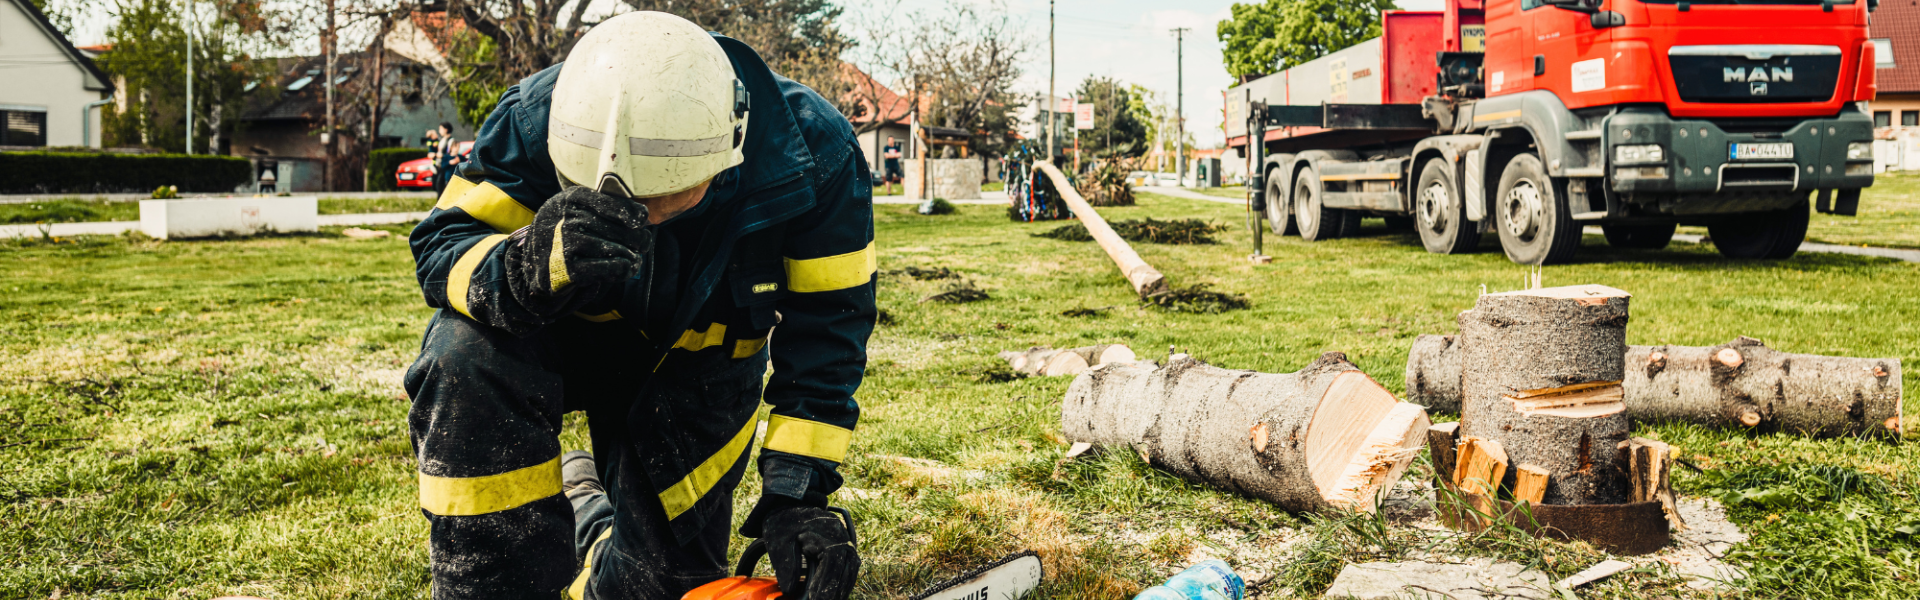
x: 1580, y: 6
x: 1607, y: 18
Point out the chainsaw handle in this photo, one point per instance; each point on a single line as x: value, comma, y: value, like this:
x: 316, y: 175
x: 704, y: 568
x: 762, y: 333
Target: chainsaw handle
x: 757, y: 549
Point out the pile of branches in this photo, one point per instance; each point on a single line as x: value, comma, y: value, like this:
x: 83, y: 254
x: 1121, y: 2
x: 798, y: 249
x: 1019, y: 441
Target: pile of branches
x: 1197, y: 299
x: 1179, y: 231
x: 1107, y: 185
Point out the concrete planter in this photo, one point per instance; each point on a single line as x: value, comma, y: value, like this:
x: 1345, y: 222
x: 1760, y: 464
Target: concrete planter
x: 209, y: 217
x: 951, y: 178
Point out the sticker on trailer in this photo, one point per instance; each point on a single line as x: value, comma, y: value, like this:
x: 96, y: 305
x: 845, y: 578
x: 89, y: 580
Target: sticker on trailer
x: 1590, y: 75
x: 1499, y: 78
x: 1337, y: 78
x: 1473, y: 38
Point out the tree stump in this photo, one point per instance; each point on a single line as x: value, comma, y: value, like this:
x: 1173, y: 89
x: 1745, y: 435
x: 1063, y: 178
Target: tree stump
x: 1540, y: 376
x: 1324, y: 437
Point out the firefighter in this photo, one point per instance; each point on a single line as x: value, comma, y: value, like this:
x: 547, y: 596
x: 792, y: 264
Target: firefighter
x: 628, y: 230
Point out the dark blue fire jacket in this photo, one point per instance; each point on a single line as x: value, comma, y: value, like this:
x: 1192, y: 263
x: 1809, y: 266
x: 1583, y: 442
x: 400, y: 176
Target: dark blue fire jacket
x: 786, y: 237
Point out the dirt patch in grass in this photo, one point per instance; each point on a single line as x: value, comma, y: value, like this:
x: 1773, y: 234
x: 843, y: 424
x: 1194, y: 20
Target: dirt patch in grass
x: 1176, y: 231
x: 958, y: 293
x: 925, y: 274
x: 1197, y: 299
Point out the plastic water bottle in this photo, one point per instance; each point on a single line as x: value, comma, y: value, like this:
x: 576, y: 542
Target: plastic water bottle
x: 1209, y: 580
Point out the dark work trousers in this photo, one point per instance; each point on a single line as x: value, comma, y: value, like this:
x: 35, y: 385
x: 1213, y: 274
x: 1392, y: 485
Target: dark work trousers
x: 486, y: 414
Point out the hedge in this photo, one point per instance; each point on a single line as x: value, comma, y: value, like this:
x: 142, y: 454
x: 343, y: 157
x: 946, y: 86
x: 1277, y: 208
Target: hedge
x: 383, y: 162
x: 91, y: 173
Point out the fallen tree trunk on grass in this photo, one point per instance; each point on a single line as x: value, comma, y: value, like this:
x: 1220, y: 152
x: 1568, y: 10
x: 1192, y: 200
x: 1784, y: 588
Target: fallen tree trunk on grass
x: 1739, y: 384
x: 1145, y: 279
x: 1041, y: 361
x: 1324, y: 437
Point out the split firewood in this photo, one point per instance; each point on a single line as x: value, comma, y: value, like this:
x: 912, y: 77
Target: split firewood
x: 1739, y: 384
x: 1042, y: 361
x: 1540, y: 375
x: 1649, y: 462
x: 1443, y: 442
x: 1479, y: 467
x: 1321, y: 438
x: 1529, y: 483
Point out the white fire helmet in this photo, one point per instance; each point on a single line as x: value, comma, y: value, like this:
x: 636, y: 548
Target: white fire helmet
x: 647, y: 105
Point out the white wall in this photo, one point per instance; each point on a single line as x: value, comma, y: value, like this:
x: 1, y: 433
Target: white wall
x: 41, y: 74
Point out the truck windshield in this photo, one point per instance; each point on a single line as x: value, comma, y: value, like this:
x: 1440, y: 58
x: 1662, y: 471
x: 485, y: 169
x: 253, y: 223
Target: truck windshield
x: 1758, y: 2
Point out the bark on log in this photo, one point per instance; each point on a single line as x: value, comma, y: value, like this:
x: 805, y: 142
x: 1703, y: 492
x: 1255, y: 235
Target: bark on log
x: 1756, y: 386
x: 1649, y: 462
x: 1324, y: 437
x: 1145, y: 279
x: 1533, y: 344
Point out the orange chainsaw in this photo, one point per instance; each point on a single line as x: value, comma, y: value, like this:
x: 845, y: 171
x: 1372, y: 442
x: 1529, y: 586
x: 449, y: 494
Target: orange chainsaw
x: 1008, y: 578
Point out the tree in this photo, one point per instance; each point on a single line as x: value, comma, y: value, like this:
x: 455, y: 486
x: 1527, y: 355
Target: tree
x: 800, y: 39
x: 149, y: 53
x: 958, y: 67
x: 1117, y: 129
x: 1277, y: 34
x: 503, y: 42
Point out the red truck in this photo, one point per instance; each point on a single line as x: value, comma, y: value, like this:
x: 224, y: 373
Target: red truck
x: 1536, y: 118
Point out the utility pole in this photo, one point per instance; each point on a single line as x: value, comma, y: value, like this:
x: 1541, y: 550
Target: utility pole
x: 326, y: 137
x: 1180, y: 104
x: 188, y: 23
x: 1051, y: 103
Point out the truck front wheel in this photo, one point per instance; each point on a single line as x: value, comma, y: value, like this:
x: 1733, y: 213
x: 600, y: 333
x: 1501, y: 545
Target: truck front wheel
x: 1531, y: 214
x: 1316, y: 221
x: 1770, y: 235
x: 1438, y: 212
x: 1639, y: 237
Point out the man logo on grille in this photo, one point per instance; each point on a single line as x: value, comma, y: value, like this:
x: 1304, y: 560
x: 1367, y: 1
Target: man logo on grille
x: 1757, y: 88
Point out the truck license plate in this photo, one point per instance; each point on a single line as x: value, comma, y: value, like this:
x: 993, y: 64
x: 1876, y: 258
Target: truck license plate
x: 1766, y: 151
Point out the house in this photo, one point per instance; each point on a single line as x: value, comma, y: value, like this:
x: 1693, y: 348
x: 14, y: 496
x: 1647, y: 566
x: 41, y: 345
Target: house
x: 281, y: 124
x: 883, y: 114
x: 1895, y: 29
x: 52, y: 88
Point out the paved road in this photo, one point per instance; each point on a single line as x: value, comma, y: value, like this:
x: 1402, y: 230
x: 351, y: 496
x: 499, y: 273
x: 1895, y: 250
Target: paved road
x: 1906, y: 255
x: 985, y: 198
x: 118, y: 227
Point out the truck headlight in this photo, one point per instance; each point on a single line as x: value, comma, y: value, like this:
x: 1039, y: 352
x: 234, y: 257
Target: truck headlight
x: 1639, y: 154
x: 1859, y: 150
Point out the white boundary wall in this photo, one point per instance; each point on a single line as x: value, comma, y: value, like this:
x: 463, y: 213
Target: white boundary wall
x: 208, y: 217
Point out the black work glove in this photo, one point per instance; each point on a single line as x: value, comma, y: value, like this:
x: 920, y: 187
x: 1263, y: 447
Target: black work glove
x: 581, y: 243
x: 811, y: 548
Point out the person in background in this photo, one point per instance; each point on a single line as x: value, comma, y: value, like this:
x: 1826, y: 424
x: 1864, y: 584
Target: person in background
x: 892, y: 154
x: 431, y: 140
x: 446, y: 155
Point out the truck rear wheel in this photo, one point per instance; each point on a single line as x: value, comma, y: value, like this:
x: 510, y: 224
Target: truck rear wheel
x: 1770, y: 235
x: 1639, y: 237
x: 1531, y: 212
x: 1279, y: 210
x: 1438, y: 212
x: 1316, y: 222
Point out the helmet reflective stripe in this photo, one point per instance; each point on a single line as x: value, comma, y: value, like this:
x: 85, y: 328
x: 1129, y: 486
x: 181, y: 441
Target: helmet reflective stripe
x: 641, y: 146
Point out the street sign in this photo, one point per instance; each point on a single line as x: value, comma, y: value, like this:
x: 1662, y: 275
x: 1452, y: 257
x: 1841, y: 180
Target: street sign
x: 1083, y: 116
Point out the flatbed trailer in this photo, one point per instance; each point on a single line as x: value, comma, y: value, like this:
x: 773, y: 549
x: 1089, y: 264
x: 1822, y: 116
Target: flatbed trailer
x: 1531, y: 119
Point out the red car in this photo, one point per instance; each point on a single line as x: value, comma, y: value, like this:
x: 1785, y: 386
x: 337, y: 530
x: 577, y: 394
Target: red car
x: 418, y: 173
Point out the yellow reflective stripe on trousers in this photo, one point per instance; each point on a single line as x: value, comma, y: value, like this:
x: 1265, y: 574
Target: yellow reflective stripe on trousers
x: 485, y: 201
x: 808, y: 438
x: 460, y: 278
x: 695, y: 485
x: 695, y: 341
x: 747, y: 348
x: 578, y: 591
x: 833, y: 272
x: 468, y: 496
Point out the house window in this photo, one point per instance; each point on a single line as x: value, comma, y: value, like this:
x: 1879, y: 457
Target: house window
x: 23, y: 128
x: 1882, y: 53
x: 1882, y: 118
x: 1910, y: 118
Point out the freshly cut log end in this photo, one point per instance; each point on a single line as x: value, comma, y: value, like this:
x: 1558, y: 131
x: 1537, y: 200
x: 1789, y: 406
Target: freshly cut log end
x: 1043, y: 361
x: 1064, y: 363
x: 1325, y: 437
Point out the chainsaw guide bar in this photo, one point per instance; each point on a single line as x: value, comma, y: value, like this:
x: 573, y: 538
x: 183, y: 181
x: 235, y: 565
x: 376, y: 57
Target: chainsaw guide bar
x: 1008, y: 578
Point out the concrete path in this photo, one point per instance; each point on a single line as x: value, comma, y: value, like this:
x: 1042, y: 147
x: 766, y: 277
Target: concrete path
x: 119, y: 227
x: 985, y: 198
x: 1188, y: 194
x: 135, y: 197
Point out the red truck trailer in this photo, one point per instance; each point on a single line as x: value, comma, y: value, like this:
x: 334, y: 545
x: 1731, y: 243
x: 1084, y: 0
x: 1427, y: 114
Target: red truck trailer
x: 1535, y: 118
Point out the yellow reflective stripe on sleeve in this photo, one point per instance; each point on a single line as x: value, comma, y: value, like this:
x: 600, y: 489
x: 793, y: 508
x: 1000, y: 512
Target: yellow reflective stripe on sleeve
x: 468, y: 496
x: 747, y: 348
x: 461, y: 277
x: 578, y: 591
x: 456, y: 187
x: 485, y: 201
x: 832, y: 272
x: 695, y: 341
x: 690, y: 489
x: 611, y: 315
x: 808, y: 438
x: 557, y: 260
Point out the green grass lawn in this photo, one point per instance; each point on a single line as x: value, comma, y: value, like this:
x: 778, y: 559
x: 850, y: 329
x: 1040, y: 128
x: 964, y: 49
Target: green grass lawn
x: 76, y: 210
x: 194, y: 419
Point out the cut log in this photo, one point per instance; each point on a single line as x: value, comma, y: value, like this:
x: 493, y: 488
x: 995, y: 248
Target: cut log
x: 1042, y: 361
x: 1433, y: 373
x: 1649, y: 462
x: 1744, y: 383
x: 1739, y: 384
x: 1064, y: 362
x: 1530, y: 345
x: 1529, y: 484
x: 1145, y: 279
x: 1443, y: 442
x: 1030, y: 361
x: 1325, y: 437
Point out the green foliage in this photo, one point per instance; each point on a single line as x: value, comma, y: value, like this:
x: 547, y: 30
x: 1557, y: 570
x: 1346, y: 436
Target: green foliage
x: 165, y: 192
x: 62, y: 211
x: 61, y: 172
x: 1118, y: 129
x: 150, y: 53
x: 382, y: 163
x: 1269, y: 36
x: 476, y: 85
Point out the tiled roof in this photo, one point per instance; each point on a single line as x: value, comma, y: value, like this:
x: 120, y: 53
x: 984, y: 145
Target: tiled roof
x: 866, y: 89
x: 1899, y: 21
